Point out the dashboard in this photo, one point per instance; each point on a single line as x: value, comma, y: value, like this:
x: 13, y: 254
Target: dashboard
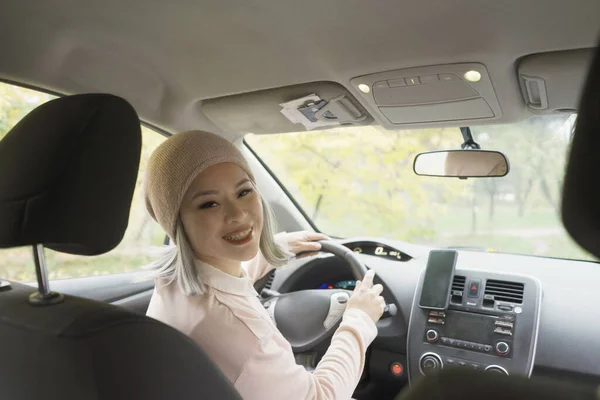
x: 553, y: 332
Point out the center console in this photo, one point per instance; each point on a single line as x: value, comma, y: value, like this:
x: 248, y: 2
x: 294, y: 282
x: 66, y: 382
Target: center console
x: 490, y: 324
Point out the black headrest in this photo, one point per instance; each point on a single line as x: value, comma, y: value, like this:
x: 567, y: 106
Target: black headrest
x: 67, y: 174
x: 581, y: 192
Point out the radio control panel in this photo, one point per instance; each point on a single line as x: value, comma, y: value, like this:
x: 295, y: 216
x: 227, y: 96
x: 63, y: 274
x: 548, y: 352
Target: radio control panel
x: 490, y: 324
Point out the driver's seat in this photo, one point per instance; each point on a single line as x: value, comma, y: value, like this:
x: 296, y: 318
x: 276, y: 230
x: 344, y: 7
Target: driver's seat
x: 67, y: 174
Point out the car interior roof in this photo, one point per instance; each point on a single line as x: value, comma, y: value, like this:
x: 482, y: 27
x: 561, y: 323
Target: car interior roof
x: 168, y: 59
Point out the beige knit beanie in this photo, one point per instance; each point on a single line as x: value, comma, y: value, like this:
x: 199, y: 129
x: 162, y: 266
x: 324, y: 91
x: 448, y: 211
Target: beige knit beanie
x: 175, y: 164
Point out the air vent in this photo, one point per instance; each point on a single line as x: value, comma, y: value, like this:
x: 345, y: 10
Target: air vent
x: 458, y: 289
x: 511, y: 292
x: 458, y: 283
x: 270, y: 280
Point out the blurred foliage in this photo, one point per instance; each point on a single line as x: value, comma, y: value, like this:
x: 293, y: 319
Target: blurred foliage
x: 359, y: 181
x: 142, y: 233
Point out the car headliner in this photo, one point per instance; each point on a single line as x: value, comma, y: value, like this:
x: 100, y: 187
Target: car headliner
x: 166, y: 57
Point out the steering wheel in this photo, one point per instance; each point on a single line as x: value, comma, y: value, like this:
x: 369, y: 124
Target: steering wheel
x: 308, y: 317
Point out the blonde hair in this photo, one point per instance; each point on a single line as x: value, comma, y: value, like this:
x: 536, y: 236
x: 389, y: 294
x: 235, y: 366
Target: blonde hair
x: 176, y: 263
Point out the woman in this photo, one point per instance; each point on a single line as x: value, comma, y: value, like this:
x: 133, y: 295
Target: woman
x: 200, y: 189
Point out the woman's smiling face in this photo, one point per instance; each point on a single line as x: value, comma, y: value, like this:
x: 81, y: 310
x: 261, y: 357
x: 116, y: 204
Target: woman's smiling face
x: 222, y: 216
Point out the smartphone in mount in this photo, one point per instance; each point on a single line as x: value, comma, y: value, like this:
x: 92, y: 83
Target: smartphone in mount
x: 435, y: 290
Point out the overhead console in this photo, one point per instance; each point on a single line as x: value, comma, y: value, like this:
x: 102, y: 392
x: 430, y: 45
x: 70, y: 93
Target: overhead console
x: 490, y: 324
x: 457, y: 93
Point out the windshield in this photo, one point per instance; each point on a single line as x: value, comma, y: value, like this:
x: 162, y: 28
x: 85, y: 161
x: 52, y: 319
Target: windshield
x: 359, y: 181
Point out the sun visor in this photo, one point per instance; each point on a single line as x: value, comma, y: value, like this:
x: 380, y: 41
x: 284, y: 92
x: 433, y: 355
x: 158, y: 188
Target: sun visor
x: 456, y: 93
x: 294, y: 108
x: 552, y: 81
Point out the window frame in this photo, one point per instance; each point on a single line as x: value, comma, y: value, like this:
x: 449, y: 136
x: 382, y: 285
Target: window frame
x: 40, y: 89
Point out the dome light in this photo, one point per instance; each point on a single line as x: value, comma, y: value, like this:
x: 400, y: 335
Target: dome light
x: 364, y: 88
x: 472, y: 76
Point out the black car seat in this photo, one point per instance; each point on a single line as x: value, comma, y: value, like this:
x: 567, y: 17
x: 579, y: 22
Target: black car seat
x: 581, y: 217
x: 67, y: 175
x: 581, y: 193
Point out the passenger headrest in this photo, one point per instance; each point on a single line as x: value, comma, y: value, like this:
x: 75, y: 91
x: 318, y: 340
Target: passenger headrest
x: 581, y: 191
x: 67, y: 175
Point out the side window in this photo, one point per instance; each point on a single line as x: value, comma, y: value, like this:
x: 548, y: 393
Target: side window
x: 142, y: 234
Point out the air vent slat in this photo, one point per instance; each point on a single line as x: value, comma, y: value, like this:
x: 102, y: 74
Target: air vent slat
x: 505, y: 289
x: 511, y: 292
x: 508, y: 286
x: 458, y: 283
x: 501, y: 293
x: 458, y: 289
x: 497, y: 295
x: 270, y: 280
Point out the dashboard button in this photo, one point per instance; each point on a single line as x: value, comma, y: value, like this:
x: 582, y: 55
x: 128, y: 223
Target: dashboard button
x: 396, y: 369
x: 380, y: 84
x: 518, y: 310
x: 396, y: 82
x: 502, y: 348
x: 450, y: 361
x: 480, y: 347
x: 462, y: 363
x: 475, y: 366
x: 506, y: 324
x: 448, y: 77
x: 437, y: 313
x: 414, y: 80
x: 445, y: 340
x: 503, y: 331
x: 429, y: 78
x: 432, y: 336
x: 430, y: 362
x: 436, y: 321
x: 474, y: 288
x: 487, y: 348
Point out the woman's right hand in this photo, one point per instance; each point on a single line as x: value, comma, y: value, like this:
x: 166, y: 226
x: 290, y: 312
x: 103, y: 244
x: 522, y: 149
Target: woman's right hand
x: 366, y: 297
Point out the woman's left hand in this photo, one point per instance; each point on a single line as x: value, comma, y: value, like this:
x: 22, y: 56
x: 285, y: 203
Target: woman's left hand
x: 305, y: 242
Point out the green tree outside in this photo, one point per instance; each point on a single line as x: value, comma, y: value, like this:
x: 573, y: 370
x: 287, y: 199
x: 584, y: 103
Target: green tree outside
x: 357, y: 181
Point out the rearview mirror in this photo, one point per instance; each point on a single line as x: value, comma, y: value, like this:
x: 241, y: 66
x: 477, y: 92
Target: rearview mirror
x: 461, y: 164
